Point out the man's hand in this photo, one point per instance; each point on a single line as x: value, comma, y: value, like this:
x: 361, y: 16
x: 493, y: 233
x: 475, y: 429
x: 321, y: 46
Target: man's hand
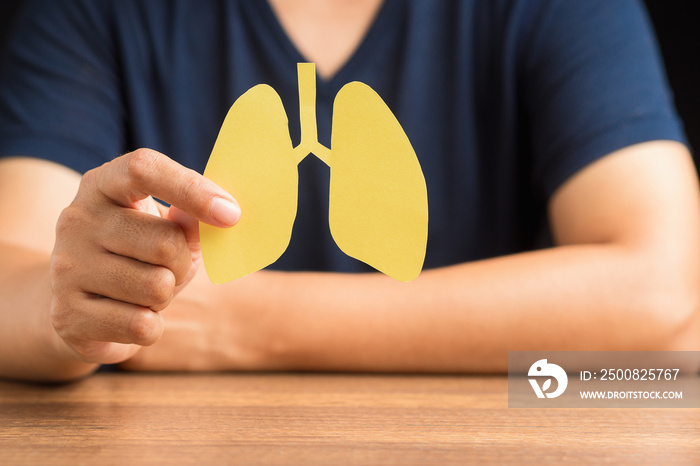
x: 120, y: 257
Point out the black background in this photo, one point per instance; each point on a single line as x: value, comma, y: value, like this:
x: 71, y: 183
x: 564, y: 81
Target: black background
x: 678, y: 32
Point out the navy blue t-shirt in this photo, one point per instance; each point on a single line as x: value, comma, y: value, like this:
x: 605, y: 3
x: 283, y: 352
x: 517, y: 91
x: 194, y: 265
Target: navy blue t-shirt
x: 503, y: 100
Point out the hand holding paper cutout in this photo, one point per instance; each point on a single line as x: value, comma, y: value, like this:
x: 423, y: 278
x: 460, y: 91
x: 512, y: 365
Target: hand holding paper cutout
x: 378, y: 199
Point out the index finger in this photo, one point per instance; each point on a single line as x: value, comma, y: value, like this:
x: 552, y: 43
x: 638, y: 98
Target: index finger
x: 134, y: 176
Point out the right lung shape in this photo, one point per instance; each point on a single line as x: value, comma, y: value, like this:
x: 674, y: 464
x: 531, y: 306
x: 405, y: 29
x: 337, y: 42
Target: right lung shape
x: 378, y: 207
x: 251, y: 160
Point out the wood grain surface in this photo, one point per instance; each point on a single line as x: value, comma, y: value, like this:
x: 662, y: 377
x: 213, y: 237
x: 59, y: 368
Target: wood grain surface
x: 322, y: 419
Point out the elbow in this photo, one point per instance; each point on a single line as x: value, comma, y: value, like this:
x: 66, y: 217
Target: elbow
x: 671, y: 305
x: 677, y: 327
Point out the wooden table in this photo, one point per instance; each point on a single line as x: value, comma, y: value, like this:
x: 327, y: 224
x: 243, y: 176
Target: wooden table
x: 322, y: 419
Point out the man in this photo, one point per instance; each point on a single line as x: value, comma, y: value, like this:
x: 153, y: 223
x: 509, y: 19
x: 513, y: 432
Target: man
x: 530, y: 119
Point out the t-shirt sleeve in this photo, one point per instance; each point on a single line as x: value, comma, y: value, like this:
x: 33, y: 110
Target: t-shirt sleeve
x: 594, y: 83
x: 59, y: 87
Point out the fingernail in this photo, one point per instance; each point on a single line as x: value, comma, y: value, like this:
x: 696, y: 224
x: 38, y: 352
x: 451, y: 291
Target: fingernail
x: 225, y: 212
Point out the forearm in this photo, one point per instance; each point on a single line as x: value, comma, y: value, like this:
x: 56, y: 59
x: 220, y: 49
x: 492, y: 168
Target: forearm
x: 467, y: 317
x: 29, y: 346
x: 624, y: 276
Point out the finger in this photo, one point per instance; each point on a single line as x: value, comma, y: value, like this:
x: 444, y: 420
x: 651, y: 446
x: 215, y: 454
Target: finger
x: 128, y: 280
x: 103, y: 352
x: 190, y: 227
x: 102, y: 319
x: 132, y: 177
x: 188, y: 224
x: 150, y: 239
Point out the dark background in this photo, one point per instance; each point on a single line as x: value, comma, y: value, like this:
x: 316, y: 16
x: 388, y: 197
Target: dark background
x: 677, y: 26
x: 678, y: 31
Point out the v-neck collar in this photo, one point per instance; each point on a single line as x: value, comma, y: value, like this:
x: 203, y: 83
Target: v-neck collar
x: 381, y: 25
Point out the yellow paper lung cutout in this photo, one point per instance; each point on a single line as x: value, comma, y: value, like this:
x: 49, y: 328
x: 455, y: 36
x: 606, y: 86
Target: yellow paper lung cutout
x: 378, y: 199
x: 378, y: 209
x: 251, y: 160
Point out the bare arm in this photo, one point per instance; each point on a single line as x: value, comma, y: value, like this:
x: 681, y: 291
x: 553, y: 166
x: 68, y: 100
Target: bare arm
x: 32, y: 195
x: 92, y: 293
x: 624, y: 276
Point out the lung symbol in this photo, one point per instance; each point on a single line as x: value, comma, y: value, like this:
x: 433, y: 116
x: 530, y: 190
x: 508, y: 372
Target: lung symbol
x: 378, y: 205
